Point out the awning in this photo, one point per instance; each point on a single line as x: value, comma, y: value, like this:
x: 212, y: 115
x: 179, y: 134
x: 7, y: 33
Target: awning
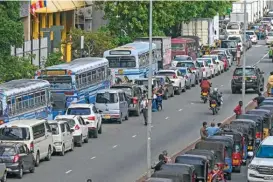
x: 60, y: 6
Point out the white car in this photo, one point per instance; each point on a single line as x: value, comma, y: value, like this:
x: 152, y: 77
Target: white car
x: 207, y: 73
x: 91, y: 116
x: 179, y: 58
x: 178, y: 80
x: 253, y: 36
x: 260, y: 167
x: 80, y: 133
x: 219, y: 64
x: 62, y: 136
x: 239, y: 40
x: 269, y: 38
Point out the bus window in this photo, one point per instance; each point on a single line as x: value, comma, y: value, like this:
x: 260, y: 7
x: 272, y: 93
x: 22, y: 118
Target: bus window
x: 89, y: 77
x: 59, y: 82
x: 94, y: 76
x: 18, y: 104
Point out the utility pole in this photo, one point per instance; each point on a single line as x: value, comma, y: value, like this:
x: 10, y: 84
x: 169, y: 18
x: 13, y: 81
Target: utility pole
x: 149, y: 124
x: 244, y: 59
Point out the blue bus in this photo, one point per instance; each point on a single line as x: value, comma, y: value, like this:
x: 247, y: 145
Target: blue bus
x: 76, y: 82
x: 25, y: 99
x: 132, y: 60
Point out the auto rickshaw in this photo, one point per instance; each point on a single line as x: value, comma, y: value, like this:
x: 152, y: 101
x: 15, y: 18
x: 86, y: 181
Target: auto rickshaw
x: 176, y: 172
x: 259, y: 125
x: 267, y: 119
x: 268, y: 102
x: 210, y: 154
x: 268, y: 98
x: 229, y: 147
x: 237, y: 153
x: 251, y: 127
x: 159, y: 180
x: 219, y: 150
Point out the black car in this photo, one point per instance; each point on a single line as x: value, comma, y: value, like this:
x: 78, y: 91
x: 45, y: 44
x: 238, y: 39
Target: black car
x: 254, y: 79
x: 134, y: 94
x: 17, y: 157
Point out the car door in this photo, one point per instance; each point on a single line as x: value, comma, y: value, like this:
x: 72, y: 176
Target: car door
x: 98, y: 116
x: 69, y: 135
x: 191, y: 76
x: 63, y: 134
x: 26, y: 160
x: 181, y: 78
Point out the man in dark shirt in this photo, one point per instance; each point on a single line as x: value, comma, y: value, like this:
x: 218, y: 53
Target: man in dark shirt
x: 259, y: 99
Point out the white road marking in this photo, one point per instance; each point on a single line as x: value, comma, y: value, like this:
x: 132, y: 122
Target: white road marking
x: 133, y: 136
x: 180, y: 110
x: 167, y: 118
x: 261, y: 58
x: 69, y: 171
x: 257, y: 46
x: 115, y: 146
x: 93, y: 157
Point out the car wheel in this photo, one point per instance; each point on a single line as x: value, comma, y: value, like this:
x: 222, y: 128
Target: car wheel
x: 48, y: 157
x: 96, y: 133
x: 63, y: 151
x: 166, y: 96
x: 179, y: 90
x: 80, y: 142
x: 120, y: 119
x: 197, y: 81
x: 32, y: 170
x: 100, y: 130
x: 233, y: 91
x: 72, y: 146
x: 172, y: 95
x: 185, y: 88
x: 193, y: 84
x: 20, y: 173
x: 86, y: 139
x: 189, y: 86
x: 37, y: 161
x: 127, y: 117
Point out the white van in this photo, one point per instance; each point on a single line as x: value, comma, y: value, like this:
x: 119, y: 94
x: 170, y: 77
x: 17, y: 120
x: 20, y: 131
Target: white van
x: 36, y: 134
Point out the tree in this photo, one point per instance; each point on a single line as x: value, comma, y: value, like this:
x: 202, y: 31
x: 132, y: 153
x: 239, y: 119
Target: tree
x: 54, y: 58
x: 95, y: 43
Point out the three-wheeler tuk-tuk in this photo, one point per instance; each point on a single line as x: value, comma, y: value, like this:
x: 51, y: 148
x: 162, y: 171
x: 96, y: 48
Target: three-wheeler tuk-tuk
x: 210, y: 154
x: 219, y: 150
x: 200, y: 163
x: 159, y: 180
x: 251, y: 131
x: 229, y: 147
x: 238, y: 150
x: 259, y: 125
x: 176, y: 172
x: 268, y: 98
x: 267, y: 102
x: 267, y: 120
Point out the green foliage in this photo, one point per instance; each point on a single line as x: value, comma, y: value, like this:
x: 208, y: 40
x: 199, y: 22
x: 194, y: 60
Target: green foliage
x: 54, y: 58
x: 95, y: 43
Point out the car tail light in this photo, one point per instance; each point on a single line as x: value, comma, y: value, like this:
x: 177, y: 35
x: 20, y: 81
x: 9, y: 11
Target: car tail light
x: 258, y: 135
x: 254, y: 77
x: 16, y: 158
x: 235, y: 77
x: 174, y: 76
x: 31, y: 146
x: 135, y: 100
x: 77, y: 127
x: 93, y: 118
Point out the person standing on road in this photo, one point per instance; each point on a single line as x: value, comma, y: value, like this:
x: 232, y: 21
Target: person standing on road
x: 238, y: 109
x: 203, y: 131
x: 238, y: 55
x: 144, y: 106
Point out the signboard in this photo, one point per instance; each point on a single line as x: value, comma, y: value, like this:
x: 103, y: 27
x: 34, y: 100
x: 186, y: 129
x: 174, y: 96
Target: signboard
x: 120, y: 52
x: 54, y: 72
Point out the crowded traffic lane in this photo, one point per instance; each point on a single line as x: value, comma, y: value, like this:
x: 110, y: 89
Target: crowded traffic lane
x: 119, y: 154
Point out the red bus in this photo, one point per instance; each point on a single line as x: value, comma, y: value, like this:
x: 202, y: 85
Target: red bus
x: 184, y: 46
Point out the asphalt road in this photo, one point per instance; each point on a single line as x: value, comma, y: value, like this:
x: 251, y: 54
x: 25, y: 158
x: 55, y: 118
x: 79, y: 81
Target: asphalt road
x: 119, y: 154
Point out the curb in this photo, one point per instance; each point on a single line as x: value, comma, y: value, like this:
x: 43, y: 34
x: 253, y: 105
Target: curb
x: 249, y: 106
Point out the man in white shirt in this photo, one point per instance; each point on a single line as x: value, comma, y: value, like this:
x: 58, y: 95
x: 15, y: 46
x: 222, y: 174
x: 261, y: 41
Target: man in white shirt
x: 144, y: 106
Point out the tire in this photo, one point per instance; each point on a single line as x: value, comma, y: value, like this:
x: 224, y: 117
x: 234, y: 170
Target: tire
x: 86, y: 140
x: 80, y: 142
x: 172, y: 95
x: 48, y: 157
x: 4, y: 178
x: 37, y: 161
x: 62, y: 153
x: 197, y: 81
x: 95, y: 135
x: 20, y: 173
x: 72, y: 146
x: 120, y: 119
x: 126, y: 117
x: 233, y: 91
x: 100, y: 130
x: 166, y: 96
x: 179, y: 90
x: 32, y: 170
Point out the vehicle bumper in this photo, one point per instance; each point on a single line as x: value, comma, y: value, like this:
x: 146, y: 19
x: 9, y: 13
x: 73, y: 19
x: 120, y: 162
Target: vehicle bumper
x: 12, y: 168
x: 110, y: 117
x: 77, y: 138
x: 254, y: 176
x: 248, y: 85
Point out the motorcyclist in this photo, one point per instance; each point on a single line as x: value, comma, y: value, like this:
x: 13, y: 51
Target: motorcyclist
x: 215, y: 95
x: 270, y: 83
x: 205, y: 85
x: 259, y: 99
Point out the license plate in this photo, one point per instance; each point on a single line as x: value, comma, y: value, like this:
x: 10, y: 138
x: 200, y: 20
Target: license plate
x: 249, y: 147
x: 107, y: 117
x: 268, y: 177
x: 205, y: 94
x: 236, y: 161
x: 213, y: 105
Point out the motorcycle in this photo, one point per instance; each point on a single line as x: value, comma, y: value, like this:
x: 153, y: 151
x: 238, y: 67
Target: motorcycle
x: 204, y: 96
x: 214, y: 107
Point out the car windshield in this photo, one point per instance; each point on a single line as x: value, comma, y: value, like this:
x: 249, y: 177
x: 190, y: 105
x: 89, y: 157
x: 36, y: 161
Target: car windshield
x: 201, y: 63
x: 266, y: 19
x: 54, y: 128
x: 228, y: 44
x: 183, y: 71
x: 58, y: 82
x: 141, y: 82
x: 70, y: 122
x: 235, y: 38
x: 233, y: 26
x: 185, y: 64
x: 78, y: 111
x: 250, y: 33
x: 7, y: 151
x: 180, y: 58
x: 248, y: 72
x: 127, y: 90
x: 265, y: 151
x: 107, y: 98
x: 165, y: 73
x: 14, y: 133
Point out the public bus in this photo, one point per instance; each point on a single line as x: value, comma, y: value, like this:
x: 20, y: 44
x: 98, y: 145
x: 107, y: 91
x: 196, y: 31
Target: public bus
x: 76, y: 82
x: 25, y: 99
x: 132, y: 60
x: 184, y: 46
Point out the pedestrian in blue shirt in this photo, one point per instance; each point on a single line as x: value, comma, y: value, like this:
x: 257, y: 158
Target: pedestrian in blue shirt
x: 212, y: 129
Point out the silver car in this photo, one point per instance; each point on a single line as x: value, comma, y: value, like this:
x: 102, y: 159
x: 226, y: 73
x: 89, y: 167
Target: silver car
x: 194, y: 66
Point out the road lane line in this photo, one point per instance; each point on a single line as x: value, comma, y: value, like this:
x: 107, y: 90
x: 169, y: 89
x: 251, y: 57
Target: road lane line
x: 93, y: 157
x: 180, y: 110
x: 167, y: 118
x: 115, y: 146
x: 262, y: 58
x: 133, y: 136
x: 69, y: 171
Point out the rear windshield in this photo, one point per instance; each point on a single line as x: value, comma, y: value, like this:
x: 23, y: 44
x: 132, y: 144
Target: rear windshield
x: 9, y: 133
x: 78, y: 111
x: 7, y: 151
x: 183, y: 71
x: 127, y: 90
x: 185, y: 64
x: 166, y: 73
x: 233, y: 26
x: 54, y: 128
x: 107, y: 98
x: 239, y: 72
x: 201, y: 63
x: 70, y: 122
x: 235, y: 38
x: 228, y: 44
x: 250, y: 33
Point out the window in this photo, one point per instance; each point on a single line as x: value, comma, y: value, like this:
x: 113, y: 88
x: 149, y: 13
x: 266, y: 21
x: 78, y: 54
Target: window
x: 80, y: 121
x: 178, y: 46
x: 84, y: 80
x: 78, y: 111
x: 67, y: 127
x: 121, y: 97
x: 1, y: 108
x: 122, y: 62
x: 89, y: 77
x: 14, y: 133
x: 62, y: 128
x: 7, y: 151
x: 265, y: 151
x: 54, y: 128
x: 38, y: 131
x: 249, y: 72
x: 94, y: 76
x: 166, y: 73
x: 94, y: 109
x: 22, y: 150
x: 233, y: 26
x: 107, y: 98
x: 185, y: 64
x: 60, y: 82
x: 19, y: 103
x: 47, y: 127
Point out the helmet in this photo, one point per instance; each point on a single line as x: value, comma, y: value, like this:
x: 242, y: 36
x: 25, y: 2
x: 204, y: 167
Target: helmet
x: 215, y: 90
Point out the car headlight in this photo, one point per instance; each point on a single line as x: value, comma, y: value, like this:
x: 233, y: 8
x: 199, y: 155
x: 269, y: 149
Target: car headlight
x: 251, y: 166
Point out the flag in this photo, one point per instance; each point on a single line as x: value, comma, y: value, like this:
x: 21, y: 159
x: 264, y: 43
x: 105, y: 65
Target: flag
x: 37, y: 5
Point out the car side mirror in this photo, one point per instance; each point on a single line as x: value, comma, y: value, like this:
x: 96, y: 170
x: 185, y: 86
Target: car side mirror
x: 172, y: 81
x: 72, y: 130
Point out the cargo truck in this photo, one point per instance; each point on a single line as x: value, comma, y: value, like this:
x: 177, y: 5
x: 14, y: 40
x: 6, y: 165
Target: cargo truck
x: 252, y: 10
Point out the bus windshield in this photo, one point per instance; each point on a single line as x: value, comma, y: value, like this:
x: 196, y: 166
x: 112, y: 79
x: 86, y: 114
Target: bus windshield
x: 58, y: 82
x: 122, y: 62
